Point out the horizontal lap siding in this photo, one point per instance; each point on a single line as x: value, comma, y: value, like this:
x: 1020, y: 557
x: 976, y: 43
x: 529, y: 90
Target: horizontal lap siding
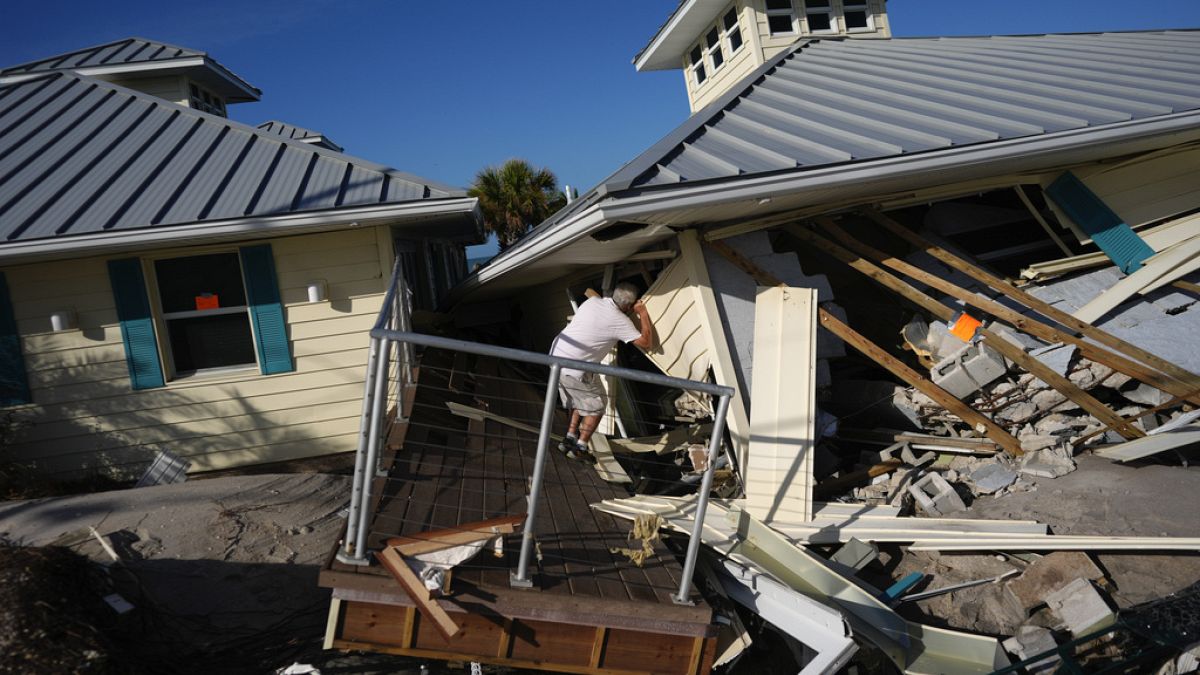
x: 85, y: 416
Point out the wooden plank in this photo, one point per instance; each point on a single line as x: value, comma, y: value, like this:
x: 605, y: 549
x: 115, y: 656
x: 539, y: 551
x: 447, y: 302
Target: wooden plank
x: 1005, y: 347
x: 468, y: 533
x: 391, y: 559
x: 835, y: 486
x: 1017, y: 320
x: 875, y: 353
x: 598, y: 647
x: 1044, y: 308
x: 1042, y: 221
x: 779, y: 472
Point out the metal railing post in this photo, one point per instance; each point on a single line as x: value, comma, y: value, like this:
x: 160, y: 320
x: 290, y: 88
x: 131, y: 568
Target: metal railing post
x: 377, y: 397
x: 693, y: 550
x: 350, y: 553
x: 535, y: 490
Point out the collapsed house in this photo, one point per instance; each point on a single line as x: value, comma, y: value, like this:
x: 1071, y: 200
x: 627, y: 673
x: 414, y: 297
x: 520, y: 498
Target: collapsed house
x: 923, y: 270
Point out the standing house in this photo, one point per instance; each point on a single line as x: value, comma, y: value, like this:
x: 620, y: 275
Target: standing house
x: 174, y: 280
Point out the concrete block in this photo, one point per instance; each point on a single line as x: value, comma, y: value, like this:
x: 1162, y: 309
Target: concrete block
x: 1050, y: 573
x: 992, y: 477
x: 1081, y: 607
x: 935, y: 496
x: 1047, y: 463
x: 1029, y: 641
x: 1035, y: 442
x: 1058, y: 357
x: 968, y: 369
x: 855, y: 555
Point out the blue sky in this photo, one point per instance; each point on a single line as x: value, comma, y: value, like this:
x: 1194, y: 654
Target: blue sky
x: 441, y: 89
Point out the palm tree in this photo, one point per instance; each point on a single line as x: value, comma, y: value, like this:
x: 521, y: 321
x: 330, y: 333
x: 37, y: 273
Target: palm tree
x: 514, y: 197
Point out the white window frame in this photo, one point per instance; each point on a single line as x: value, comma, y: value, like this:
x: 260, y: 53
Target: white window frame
x: 204, y: 100
x: 728, y: 31
x: 827, y: 11
x: 697, y: 70
x: 161, y: 317
x: 863, y: 6
x: 714, y: 48
x: 789, y: 11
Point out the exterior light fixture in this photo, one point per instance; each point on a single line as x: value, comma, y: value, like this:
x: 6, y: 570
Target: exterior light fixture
x: 63, y: 319
x: 318, y: 291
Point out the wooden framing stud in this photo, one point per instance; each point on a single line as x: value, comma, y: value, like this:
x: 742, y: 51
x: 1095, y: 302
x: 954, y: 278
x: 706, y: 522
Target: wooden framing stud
x: 395, y: 564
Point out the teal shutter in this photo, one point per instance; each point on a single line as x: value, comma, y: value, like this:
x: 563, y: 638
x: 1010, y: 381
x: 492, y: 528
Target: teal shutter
x: 266, y: 310
x: 14, y: 385
x: 1118, y: 241
x: 137, y: 324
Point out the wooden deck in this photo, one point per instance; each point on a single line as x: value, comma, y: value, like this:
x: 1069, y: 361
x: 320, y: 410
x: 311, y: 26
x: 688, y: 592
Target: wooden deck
x: 591, y: 610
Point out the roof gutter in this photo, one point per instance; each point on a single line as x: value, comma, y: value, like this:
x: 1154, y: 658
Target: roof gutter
x: 856, y: 179
x: 239, y: 228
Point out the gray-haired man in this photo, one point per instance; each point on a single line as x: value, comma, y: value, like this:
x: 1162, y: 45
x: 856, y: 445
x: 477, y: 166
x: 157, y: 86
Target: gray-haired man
x: 592, y: 333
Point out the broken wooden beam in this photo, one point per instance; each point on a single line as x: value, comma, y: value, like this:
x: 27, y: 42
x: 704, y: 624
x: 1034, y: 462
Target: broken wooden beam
x: 877, y: 354
x: 1190, y: 380
x: 1030, y: 325
x: 836, y: 486
x: 1006, y: 348
x: 394, y: 562
x: 467, y: 533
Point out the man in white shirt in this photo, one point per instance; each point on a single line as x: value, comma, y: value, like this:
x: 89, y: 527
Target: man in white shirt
x: 592, y: 333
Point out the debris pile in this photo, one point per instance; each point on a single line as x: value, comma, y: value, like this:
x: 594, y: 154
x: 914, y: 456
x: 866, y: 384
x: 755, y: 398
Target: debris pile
x: 959, y: 387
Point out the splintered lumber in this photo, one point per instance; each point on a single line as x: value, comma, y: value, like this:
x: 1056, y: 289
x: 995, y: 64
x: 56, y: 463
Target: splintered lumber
x: 963, y: 446
x: 394, y: 562
x: 1006, y: 348
x: 1014, y: 318
x: 875, y: 353
x: 1190, y: 381
x: 467, y: 533
x: 835, y: 486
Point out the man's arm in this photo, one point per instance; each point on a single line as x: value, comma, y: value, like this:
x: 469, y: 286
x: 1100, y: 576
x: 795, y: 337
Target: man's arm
x: 646, y: 339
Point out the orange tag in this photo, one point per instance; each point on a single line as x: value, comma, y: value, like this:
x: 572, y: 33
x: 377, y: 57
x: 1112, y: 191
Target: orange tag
x: 965, y: 326
x: 208, y: 301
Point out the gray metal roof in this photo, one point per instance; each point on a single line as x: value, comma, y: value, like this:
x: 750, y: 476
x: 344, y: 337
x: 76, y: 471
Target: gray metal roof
x: 129, y: 52
x: 834, y: 101
x: 299, y: 134
x: 79, y: 155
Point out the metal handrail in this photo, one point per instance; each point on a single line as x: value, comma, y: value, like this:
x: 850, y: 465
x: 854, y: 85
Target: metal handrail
x: 393, y: 328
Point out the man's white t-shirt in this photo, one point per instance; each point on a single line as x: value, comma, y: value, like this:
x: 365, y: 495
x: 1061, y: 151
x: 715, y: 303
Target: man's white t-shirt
x: 597, y: 326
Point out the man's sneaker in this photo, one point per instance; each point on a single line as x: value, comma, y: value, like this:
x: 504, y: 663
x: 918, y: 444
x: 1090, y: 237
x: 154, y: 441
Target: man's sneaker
x: 568, y: 444
x: 581, y: 453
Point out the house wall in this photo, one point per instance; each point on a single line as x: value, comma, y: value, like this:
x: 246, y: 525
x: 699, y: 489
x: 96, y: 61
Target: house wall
x: 760, y: 46
x: 736, y: 66
x: 170, y: 87
x: 85, y: 416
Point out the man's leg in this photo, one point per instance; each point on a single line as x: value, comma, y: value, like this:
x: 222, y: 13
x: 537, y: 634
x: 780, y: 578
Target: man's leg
x: 588, y: 427
x: 573, y: 427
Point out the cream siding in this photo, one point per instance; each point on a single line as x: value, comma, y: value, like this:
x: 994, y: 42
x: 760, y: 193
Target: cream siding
x: 736, y: 66
x: 172, y: 88
x: 760, y: 46
x: 86, y: 417
x: 1142, y: 190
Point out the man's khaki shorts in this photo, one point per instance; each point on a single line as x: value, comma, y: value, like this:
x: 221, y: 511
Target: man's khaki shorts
x: 584, y: 393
